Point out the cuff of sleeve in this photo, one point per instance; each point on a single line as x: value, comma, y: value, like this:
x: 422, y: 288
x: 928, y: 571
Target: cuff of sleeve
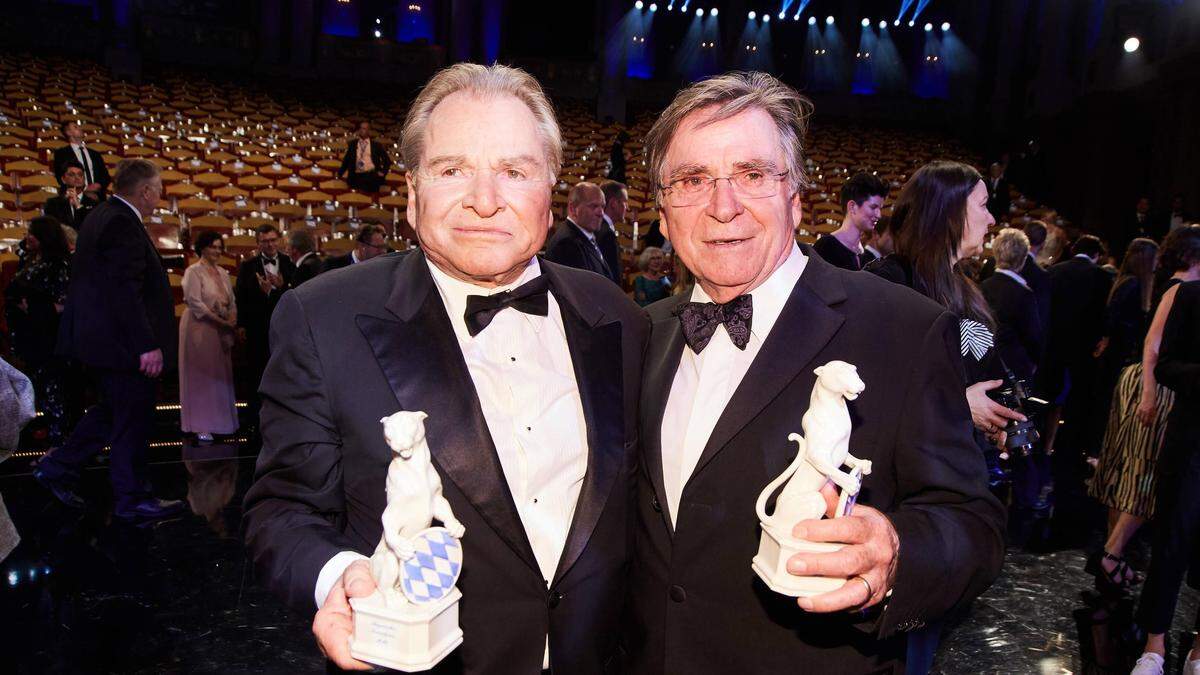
x: 331, y: 572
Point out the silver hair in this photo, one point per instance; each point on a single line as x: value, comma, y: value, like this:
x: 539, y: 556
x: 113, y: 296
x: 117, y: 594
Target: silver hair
x: 726, y: 96
x: 643, y: 261
x: 1010, y: 248
x: 487, y: 82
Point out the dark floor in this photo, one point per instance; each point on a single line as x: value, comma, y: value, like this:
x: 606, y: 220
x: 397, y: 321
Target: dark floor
x: 86, y: 594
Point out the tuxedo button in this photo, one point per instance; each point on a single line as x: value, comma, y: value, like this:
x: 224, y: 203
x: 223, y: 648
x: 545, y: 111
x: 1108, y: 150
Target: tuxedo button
x: 678, y: 594
x: 655, y: 505
x: 555, y: 598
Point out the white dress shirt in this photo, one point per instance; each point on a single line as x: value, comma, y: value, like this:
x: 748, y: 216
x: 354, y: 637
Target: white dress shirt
x: 130, y: 205
x: 523, y: 373
x: 85, y: 160
x: 270, y: 266
x: 689, y: 419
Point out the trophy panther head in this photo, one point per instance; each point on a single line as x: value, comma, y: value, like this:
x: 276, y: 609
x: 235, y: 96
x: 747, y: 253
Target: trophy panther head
x: 841, y: 378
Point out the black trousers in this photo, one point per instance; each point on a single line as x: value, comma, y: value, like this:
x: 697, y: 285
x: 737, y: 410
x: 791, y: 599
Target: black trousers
x: 121, y: 420
x: 368, y: 181
x: 1176, y: 528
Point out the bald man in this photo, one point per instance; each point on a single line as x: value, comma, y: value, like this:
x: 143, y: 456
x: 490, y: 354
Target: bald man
x: 574, y: 243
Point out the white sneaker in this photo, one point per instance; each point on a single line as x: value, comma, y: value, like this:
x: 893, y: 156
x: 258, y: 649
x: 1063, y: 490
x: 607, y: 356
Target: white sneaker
x: 1149, y: 664
x: 204, y: 438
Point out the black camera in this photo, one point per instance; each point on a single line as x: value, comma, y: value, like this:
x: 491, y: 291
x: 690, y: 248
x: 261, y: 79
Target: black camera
x: 1021, y: 438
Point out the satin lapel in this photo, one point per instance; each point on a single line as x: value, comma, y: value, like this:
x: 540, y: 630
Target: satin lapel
x: 803, y: 328
x: 596, y: 359
x: 420, y: 358
x: 662, y: 360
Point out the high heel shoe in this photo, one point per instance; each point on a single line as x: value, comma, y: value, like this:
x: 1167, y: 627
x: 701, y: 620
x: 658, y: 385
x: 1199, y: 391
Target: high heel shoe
x: 1120, y: 578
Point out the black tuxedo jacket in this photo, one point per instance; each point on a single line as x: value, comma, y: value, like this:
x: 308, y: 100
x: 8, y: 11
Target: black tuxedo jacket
x: 338, y: 261
x: 355, y: 345
x: 611, y: 248
x: 1179, y: 368
x: 65, y: 154
x: 59, y: 208
x: 1019, y: 336
x: 1078, y: 297
x: 999, y: 198
x: 254, y: 306
x: 1039, y: 281
x: 570, y: 246
x: 119, y: 303
x: 379, y: 157
x: 697, y: 607
x: 308, y: 268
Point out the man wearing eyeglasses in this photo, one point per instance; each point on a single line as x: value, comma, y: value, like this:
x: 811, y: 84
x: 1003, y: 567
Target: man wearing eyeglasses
x: 728, y: 377
x: 371, y: 241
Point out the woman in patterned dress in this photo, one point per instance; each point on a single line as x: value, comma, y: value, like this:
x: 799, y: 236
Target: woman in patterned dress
x: 1125, y: 478
x: 939, y: 219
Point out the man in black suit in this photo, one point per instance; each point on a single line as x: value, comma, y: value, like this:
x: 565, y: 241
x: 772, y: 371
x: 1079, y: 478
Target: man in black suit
x: 119, y: 321
x: 999, y: 199
x: 616, y: 205
x: 1019, y: 336
x: 72, y: 205
x: 529, y: 372
x: 575, y: 242
x: 302, y: 248
x: 371, y: 241
x: 729, y: 374
x: 1036, y: 276
x: 366, y: 162
x: 261, y: 281
x: 95, y: 174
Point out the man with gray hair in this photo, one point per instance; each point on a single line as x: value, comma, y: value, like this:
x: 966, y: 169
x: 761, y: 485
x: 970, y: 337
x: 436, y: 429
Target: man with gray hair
x: 530, y: 374
x: 1019, y: 335
x: 577, y: 240
x: 302, y: 249
x: 119, y: 321
x: 730, y: 371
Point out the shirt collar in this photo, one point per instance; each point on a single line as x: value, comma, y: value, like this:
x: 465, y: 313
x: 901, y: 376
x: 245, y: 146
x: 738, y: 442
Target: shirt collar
x: 771, y: 295
x: 135, y: 209
x: 591, y: 236
x: 1084, y: 256
x: 1009, y: 273
x: 874, y: 251
x: 454, y: 292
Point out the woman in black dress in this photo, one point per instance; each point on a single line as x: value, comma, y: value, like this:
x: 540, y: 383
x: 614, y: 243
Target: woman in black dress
x: 33, y: 303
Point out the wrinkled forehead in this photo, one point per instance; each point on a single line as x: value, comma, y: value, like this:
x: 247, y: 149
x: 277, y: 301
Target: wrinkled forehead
x: 483, y: 127
x: 704, y: 142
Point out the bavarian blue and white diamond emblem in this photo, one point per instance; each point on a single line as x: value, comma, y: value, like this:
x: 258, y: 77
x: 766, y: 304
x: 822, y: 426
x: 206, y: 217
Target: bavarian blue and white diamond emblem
x: 433, y: 570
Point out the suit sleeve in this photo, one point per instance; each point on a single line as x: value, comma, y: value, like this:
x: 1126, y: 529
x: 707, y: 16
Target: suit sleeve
x: 566, y: 252
x: 101, y: 170
x: 1173, y: 369
x: 385, y: 160
x: 122, y: 257
x: 295, y: 508
x: 950, y: 527
x: 347, y: 161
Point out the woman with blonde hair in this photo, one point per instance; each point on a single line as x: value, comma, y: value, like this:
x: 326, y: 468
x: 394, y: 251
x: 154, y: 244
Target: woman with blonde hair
x: 652, y: 284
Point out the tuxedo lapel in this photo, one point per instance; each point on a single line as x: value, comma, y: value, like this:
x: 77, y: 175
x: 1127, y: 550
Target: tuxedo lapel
x: 804, y: 327
x: 419, y: 355
x: 662, y: 360
x: 595, y: 348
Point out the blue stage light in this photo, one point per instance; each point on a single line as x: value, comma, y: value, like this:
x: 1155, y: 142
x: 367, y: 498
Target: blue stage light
x: 653, y: 7
x: 812, y: 20
x: 829, y: 21
x: 766, y: 18
x: 866, y: 22
x: 1132, y: 44
x: 712, y: 12
x: 882, y: 25
x: 945, y: 26
x: 928, y: 27
x: 911, y: 24
x: 752, y: 15
x: 700, y: 11
x: 638, y: 4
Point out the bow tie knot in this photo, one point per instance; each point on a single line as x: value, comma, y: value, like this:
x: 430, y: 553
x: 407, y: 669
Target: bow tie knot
x: 700, y: 320
x: 529, y: 297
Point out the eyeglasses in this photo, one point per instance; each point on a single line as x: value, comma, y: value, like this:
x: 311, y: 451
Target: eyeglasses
x: 697, y: 189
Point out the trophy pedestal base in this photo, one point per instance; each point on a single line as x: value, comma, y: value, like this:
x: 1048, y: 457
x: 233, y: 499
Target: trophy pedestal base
x: 774, y: 550
x: 409, y: 637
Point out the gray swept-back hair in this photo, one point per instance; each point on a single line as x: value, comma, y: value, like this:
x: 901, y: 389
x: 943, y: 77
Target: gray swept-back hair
x: 728, y: 95
x: 484, y: 82
x: 1010, y: 247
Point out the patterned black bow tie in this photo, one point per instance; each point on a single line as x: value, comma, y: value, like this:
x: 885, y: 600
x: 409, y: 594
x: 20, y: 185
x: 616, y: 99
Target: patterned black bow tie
x: 700, y: 320
x: 529, y: 297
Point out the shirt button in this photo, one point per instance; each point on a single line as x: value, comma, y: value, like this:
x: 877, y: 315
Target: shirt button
x: 555, y: 598
x: 678, y: 594
x: 655, y: 505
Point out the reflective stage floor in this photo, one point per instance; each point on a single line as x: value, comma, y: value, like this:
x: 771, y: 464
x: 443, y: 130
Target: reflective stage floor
x: 86, y: 593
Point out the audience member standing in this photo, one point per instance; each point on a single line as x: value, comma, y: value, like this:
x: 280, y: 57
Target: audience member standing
x: 1177, y: 217
x: 616, y: 204
x: 261, y: 281
x: 1126, y: 476
x: 999, y: 198
x: 862, y: 198
x: 366, y: 162
x: 95, y: 174
x: 302, y: 248
x: 1126, y: 318
x: 1019, y: 335
x: 120, y: 322
x: 574, y: 241
x: 1036, y: 276
x: 1177, y: 532
x: 206, y: 337
x: 33, y: 303
x: 616, y: 157
x: 371, y: 241
x: 72, y: 204
x: 652, y: 284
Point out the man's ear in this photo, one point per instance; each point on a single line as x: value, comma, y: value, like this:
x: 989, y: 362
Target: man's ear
x: 410, y: 210
x: 663, y: 228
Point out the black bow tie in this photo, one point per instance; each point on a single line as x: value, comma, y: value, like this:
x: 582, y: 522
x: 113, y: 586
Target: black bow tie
x: 700, y: 320
x: 529, y: 297
x: 269, y: 261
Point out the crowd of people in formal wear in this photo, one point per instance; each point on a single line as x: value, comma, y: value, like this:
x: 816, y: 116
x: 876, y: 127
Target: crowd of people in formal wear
x: 1005, y: 369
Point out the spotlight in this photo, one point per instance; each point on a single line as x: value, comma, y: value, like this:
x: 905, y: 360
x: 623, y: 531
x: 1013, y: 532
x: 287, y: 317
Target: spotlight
x: 782, y: 16
x: 378, y: 33
x: 638, y: 4
x: 812, y: 20
x: 670, y: 6
x: 866, y: 22
x: 911, y: 23
x: 378, y: 21
x: 829, y: 20
x: 752, y: 15
x: 700, y: 11
x: 896, y: 22
x: 797, y: 17
x: 1132, y: 45
x: 766, y: 18
x: 712, y: 12
x: 653, y: 7
x: 883, y: 25
x: 945, y: 26
x: 928, y: 27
